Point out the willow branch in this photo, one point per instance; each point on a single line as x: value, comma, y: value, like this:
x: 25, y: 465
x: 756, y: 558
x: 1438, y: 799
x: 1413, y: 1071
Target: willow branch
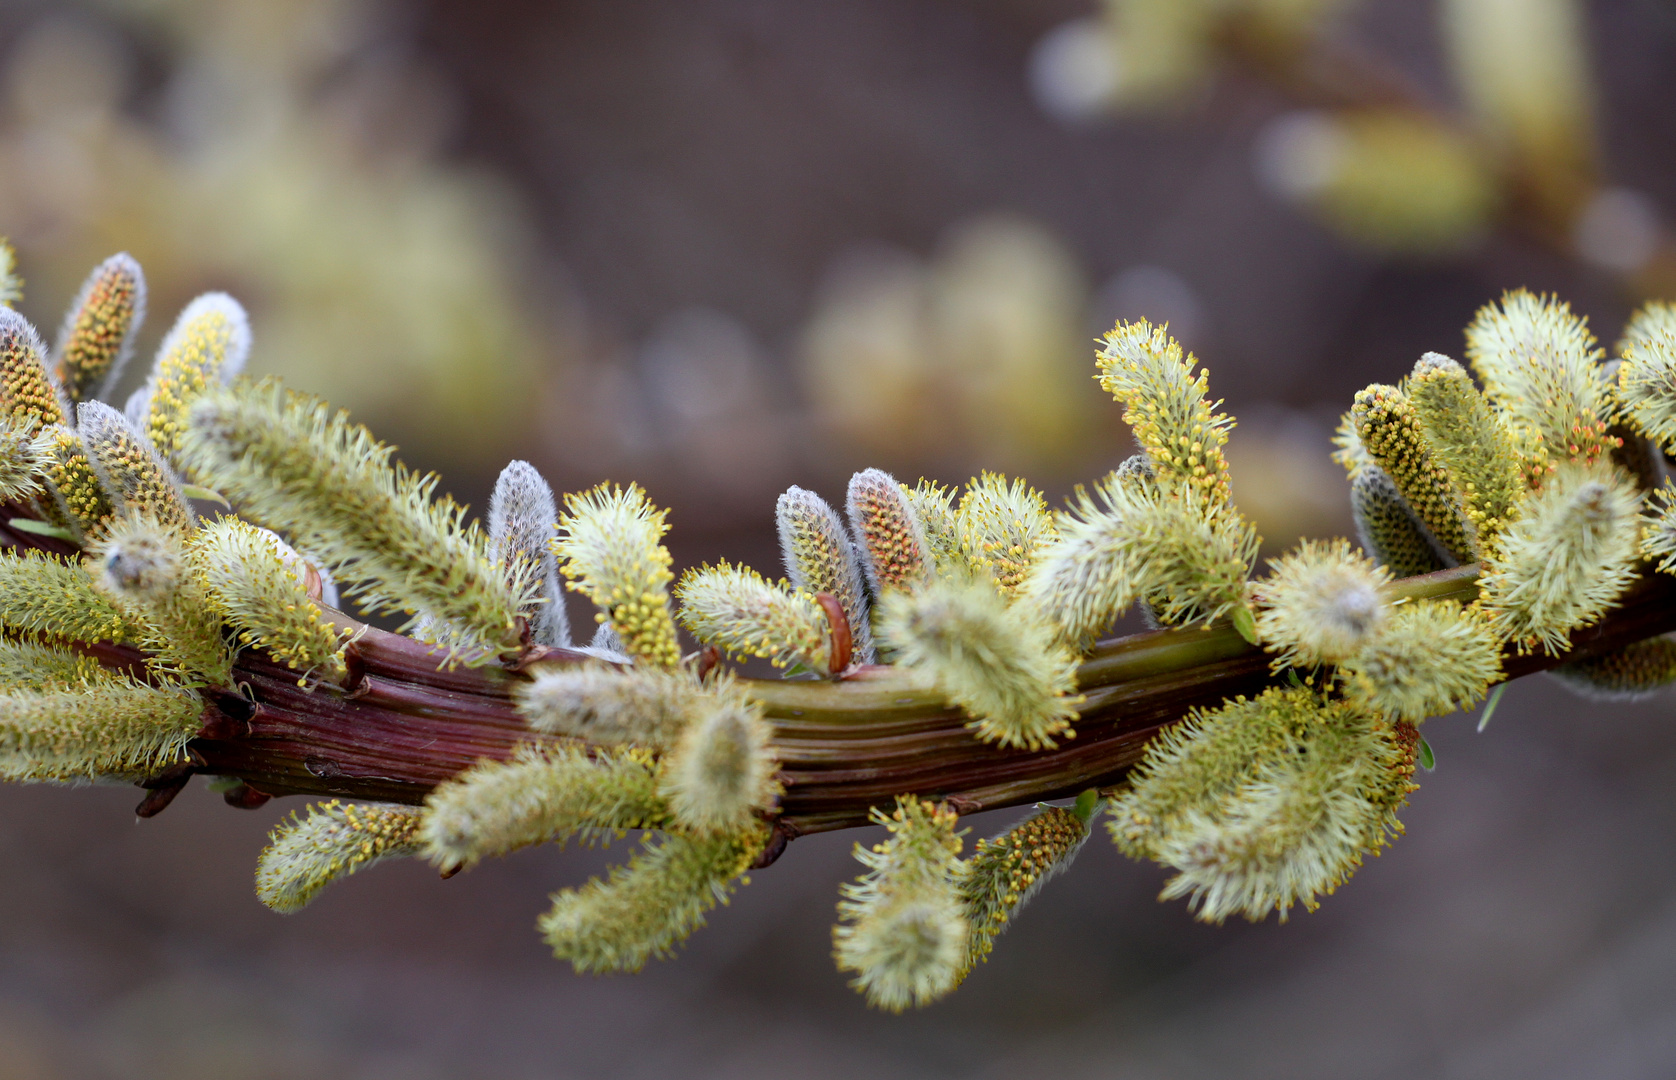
x: 403, y: 725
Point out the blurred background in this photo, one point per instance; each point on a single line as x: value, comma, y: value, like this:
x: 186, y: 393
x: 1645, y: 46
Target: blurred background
x: 726, y: 246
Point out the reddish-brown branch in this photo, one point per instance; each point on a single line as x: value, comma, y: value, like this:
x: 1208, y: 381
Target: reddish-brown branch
x: 403, y: 723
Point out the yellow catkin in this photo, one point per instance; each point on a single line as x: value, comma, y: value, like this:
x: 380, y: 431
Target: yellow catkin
x: 888, y: 533
x: 1002, y: 527
x: 1005, y: 872
x: 335, y: 840
x: 1391, y: 432
x: 135, y: 479
x: 608, y: 541
x: 206, y: 348
x: 100, y: 327
x: 1167, y: 407
x: 27, y: 394
x: 81, y: 499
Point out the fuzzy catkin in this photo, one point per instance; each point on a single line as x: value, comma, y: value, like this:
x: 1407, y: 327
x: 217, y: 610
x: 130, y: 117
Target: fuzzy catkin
x: 610, y: 706
x: 902, y: 927
x: 45, y: 594
x: 1389, y: 529
x: 1432, y: 657
x: 887, y: 533
x: 608, y: 544
x: 1299, y: 824
x: 134, y: 478
x: 251, y: 585
x: 1391, y: 432
x: 522, y: 517
x: 1565, y: 561
x: 1636, y: 671
x: 644, y: 910
x: 1471, y: 441
x: 1320, y: 604
x: 1538, y: 362
x: 720, y: 773
x: 1645, y: 383
x: 336, y: 839
x: 205, y: 348
x: 1007, y: 871
x: 79, y: 500
x: 291, y: 464
x: 143, y: 566
x: 1000, y: 664
x: 734, y: 609
x: 98, y: 332
x: 1167, y: 407
x: 543, y: 795
x: 1002, y: 527
x: 118, y: 730
x: 820, y: 557
x: 28, y: 395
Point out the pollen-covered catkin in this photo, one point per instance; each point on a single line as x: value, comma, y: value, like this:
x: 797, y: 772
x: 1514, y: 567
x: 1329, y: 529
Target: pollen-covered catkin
x: 643, y: 911
x: 1300, y: 823
x: 1007, y: 871
x: 1472, y: 442
x: 98, y: 331
x: 734, y: 609
x: 1645, y: 384
x: 24, y: 459
x: 522, y: 517
x: 336, y: 839
x: 29, y: 665
x: 206, y: 348
x: 28, y: 396
x: 1320, y: 604
x: 1567, y: 558
x: 289, y: 463
x: 44, y: 594
x: 820, y: 557
x: 1539, y: 364
x: 1002, y: 527
x: 933, y: 506
x: 887, y: 533
x: 135, y: 479
x: 1635, y: 671
x: 143, y: 566
x: 610, y: 706
x: 1000, y: 664
x: 720, y: 773
x: 1432, y: 657
x: 608, y: 544
x: 119, y: 730
x: 902, y: 927
x: 251, y: 585
x: 543, y: 795
x: 78, y: 496
x: 1191, y: 766
x: 1389, y: 529
x: 1166, y: 406
x: 1188, y: 559
x: 1391, y: 432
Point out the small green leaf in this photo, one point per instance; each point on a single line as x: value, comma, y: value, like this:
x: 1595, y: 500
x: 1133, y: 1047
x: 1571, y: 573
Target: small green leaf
x: 1246, y: 624
x: 1490, y: 705
x: 193, y: 491
x: 41, y: 528
x: 1085, y: 806
x: 1427, y: 760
